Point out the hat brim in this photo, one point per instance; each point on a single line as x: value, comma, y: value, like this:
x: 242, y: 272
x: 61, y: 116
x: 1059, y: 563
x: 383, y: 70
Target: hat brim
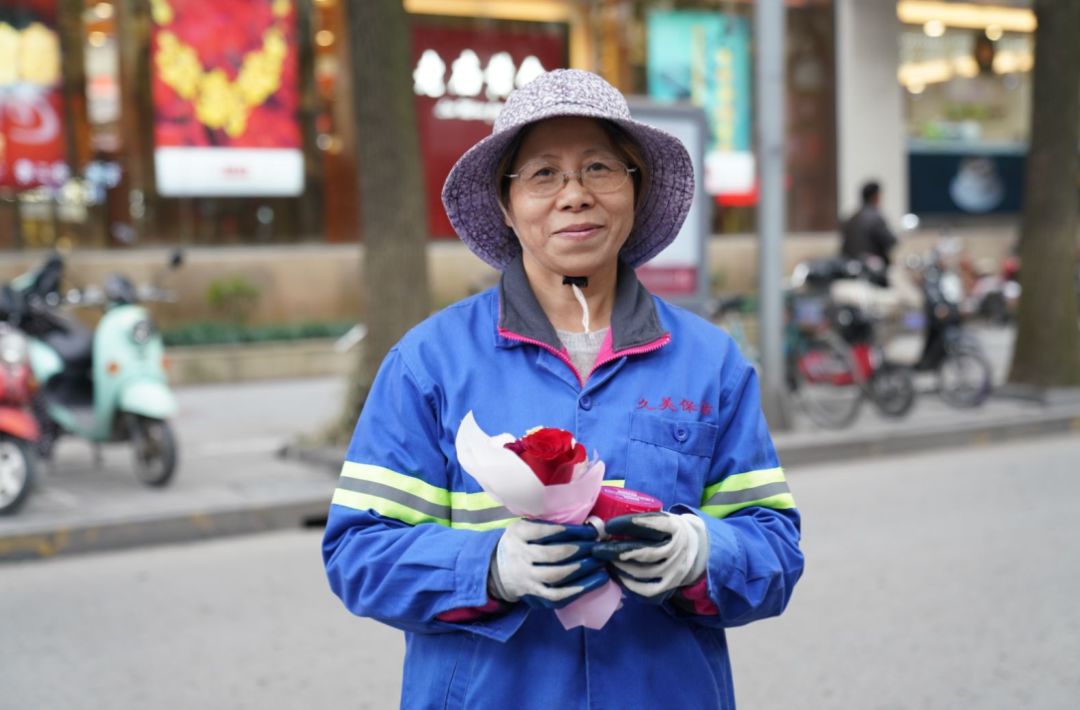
x: 470, y: 194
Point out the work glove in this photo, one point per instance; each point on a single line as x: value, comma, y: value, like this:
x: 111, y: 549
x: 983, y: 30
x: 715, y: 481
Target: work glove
x: 655, y: 553
x: 544, y: 564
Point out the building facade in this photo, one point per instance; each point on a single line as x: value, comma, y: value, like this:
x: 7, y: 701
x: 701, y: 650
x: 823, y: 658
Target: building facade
x: 129, y: 125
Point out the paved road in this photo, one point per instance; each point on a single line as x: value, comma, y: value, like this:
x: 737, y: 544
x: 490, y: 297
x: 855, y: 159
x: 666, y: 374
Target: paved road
x: 943, y: 580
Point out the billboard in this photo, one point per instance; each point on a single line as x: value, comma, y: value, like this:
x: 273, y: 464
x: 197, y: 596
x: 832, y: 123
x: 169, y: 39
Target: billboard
x: 31, y: 104
x: 703, y: 57
x: 461, y: 77
x: 226, y: 95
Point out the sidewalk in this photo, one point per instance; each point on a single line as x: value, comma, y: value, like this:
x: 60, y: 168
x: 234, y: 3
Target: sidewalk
x: 234, y: 479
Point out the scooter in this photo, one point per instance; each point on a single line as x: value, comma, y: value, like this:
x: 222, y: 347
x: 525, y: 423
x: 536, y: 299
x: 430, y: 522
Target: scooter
x: 104, y: 385
x: 949, y: 351
x: 18, y: 429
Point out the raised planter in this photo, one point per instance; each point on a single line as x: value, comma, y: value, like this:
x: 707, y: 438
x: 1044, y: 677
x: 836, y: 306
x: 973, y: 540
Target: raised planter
x: 204, y: 364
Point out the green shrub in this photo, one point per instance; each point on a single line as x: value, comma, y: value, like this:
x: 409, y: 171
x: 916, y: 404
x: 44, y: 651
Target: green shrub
x: 218, y: 333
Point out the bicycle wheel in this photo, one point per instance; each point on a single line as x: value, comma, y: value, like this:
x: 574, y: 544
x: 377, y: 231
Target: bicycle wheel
x: 892, y: 390
x: 825, y: 383
x: 964, y: 377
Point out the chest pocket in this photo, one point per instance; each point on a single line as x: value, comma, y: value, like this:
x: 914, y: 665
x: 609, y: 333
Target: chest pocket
x: 669, y: 458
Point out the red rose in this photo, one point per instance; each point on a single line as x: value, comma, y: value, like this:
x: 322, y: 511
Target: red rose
x: 550, y: 453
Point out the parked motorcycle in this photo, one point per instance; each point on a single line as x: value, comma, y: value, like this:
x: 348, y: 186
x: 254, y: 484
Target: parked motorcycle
x: 18, y: 429
x: 103, y: 385
x: 963, y: 371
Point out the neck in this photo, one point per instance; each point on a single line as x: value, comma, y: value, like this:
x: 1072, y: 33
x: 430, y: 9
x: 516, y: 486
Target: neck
x: 558, y: 301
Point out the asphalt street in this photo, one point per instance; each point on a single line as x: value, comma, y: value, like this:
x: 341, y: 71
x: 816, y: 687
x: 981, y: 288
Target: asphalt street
x: 941, y: 580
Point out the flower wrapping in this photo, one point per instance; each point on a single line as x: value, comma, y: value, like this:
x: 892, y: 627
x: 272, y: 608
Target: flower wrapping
x: 546, y: 476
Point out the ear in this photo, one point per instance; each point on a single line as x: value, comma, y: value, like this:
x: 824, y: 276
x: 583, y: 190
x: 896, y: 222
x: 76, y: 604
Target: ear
x: 508, y: 220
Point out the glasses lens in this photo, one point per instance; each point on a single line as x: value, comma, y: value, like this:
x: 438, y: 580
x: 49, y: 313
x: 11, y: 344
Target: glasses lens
x: 604, y: 175
x: 599, y: 175
x: 541, y: 179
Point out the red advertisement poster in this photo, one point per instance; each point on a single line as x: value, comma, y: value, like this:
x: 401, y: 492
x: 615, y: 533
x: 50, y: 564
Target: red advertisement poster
x: 226, y: 95
x: 461, y: 77
x: 31, y: 112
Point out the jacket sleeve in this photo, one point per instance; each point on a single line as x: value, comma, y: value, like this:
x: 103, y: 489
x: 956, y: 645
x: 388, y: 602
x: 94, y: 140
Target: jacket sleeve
x: 753, y: 525
x: 389, y: 550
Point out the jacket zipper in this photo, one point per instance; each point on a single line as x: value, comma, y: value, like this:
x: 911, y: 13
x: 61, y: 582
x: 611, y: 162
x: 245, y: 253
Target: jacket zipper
x: 640, y: 350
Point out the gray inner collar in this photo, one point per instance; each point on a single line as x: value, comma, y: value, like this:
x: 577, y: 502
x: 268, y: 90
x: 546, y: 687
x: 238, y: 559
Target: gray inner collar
x: 634, y: 321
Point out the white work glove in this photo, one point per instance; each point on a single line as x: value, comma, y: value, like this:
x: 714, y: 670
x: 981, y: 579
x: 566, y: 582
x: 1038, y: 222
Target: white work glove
x: 660, y: 552
x: 545, y: 565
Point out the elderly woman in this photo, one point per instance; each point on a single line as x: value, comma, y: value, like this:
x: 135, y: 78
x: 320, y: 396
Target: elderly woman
x: 566, y: 197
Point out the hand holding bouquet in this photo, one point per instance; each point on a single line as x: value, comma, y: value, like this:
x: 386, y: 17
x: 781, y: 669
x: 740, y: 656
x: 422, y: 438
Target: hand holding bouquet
x: 545, y: 477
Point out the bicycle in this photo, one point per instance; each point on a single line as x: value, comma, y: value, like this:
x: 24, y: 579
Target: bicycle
x: 833, y: 358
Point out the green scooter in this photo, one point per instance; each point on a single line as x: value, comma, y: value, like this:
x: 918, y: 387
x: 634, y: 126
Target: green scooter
x: 104, y: 385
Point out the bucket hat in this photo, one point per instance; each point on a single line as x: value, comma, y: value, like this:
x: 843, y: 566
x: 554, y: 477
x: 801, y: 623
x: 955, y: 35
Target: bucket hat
x: 470, y: 194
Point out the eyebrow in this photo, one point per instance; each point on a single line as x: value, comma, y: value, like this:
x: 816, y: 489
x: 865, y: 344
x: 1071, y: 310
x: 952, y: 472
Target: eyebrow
x: 552, y: 156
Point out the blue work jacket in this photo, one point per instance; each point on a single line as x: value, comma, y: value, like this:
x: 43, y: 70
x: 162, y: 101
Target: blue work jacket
x: 671, y: 407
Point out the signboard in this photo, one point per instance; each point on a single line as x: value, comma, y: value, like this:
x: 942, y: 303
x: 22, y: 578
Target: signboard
x: 461, y: 78
x: 31, y: 106
x: 680, y: 272
x: 226, y: 95
x: 704, y: 57
x: 966, y: 181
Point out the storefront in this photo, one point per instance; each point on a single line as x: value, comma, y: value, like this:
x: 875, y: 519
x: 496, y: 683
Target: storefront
x: 966, y: 75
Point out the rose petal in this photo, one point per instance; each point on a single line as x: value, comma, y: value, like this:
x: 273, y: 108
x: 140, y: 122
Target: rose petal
x: 499, y: 471
x: 571, y: 502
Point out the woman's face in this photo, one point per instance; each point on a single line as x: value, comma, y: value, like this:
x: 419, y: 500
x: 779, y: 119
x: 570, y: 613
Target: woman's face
x: 573, y: 232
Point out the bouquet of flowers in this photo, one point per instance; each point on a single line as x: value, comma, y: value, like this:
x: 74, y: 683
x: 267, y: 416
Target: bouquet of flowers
x: 545, y: 475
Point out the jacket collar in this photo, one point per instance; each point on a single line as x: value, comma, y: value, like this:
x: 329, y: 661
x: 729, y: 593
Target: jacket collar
x: 634, y: 321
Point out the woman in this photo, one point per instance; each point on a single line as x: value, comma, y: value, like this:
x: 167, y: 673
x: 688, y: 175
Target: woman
x: 566, y: 197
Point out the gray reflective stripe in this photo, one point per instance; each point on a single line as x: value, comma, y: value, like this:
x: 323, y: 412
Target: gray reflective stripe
x: 487, y: 515
x: 442, y: 512
x: 749, y: 494
x: 390, y: 493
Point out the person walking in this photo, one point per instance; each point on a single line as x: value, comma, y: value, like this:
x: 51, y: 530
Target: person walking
x: 566, y: 197
x: 866, y: 235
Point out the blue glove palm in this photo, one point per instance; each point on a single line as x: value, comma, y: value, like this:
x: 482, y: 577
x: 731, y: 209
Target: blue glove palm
x: 545, y: 565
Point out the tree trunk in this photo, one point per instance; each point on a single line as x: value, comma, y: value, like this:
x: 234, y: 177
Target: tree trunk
x: 394, y: 273
x: 1047, y: 352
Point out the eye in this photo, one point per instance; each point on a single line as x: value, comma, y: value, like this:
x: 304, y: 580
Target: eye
x: 601, y: 167
x: 538, y: 173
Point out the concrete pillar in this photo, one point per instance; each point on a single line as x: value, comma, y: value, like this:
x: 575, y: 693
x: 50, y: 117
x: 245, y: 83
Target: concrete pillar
x: 870, y: 115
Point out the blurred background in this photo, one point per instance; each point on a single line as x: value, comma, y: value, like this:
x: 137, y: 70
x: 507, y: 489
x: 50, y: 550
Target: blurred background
x: 209, y: 169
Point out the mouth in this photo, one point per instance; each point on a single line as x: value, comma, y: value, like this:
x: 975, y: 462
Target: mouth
x: 579, y: 231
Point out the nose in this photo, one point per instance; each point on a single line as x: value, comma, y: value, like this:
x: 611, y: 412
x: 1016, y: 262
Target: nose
x: 574, y: 195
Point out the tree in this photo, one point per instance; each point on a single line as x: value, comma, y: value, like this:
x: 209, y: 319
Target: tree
x: 393, y: 219
x: 1047, y: 352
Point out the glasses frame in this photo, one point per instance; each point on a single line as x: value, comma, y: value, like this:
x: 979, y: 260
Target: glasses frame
x: 627, y: 171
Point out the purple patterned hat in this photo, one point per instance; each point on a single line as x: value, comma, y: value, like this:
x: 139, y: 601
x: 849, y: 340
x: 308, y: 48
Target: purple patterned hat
x: 470, y: 192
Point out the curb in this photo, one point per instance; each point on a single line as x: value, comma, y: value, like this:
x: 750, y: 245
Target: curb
x: 929, y: 438
x: 45, y: 540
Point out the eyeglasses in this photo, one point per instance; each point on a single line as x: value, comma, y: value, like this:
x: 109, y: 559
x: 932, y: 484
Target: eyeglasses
x: 600, y: 176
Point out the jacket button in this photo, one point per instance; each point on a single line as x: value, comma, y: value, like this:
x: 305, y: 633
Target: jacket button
x: 585, y: 402
x: 681, y: 434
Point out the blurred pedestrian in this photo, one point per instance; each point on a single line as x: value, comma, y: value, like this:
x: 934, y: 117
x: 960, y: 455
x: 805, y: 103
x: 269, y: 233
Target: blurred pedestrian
x: 566, y: 198
x: 866, y: 235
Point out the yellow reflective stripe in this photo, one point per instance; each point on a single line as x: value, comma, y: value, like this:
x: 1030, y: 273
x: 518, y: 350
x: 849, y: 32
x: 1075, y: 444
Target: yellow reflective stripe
x: 472, y: 501
x: 617, y: 482
x: 782, y: 501
x: 494, y: 524
x: 411, y: 500
x: 408, y: 484
x: 384, y: 507
x: 766, y: 488
x: 742, y: 481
